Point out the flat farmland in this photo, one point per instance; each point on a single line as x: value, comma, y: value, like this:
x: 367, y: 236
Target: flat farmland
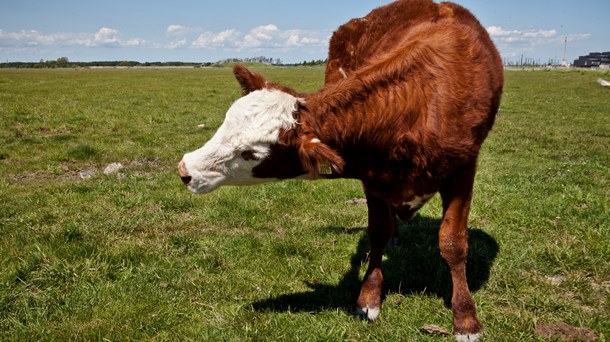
x: 90, y: 253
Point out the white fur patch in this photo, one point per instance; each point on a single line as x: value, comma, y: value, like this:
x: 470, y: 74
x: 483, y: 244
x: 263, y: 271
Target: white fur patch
x: 253, y: 123
x: 369, y: 313
x: 315, y: 141
x: 417, y: 201
x: 468, y: 337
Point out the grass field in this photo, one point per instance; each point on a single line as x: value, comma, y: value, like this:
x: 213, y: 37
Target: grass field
x: 133, y: 256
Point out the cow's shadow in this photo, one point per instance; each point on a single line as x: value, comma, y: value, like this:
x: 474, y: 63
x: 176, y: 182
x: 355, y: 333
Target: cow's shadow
x: 413, y: 267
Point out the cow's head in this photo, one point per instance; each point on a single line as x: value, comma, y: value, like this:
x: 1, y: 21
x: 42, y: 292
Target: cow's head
x: 261, y: 140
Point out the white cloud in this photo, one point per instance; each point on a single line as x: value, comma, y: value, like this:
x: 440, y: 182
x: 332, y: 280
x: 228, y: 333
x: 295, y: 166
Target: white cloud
x: 295, y: 39
x: 36, y: 38
x: 177, y: 44
x: 259, y: 35
x: 104, y: 37
x: 531, y: 37
x: 107, y: 37
x: 226, y: 35
x: 135, y: 42
x: 180, y: 30
x: 310, y: 41
x: 265, y: 39
x: 496, y: 31
x: 225, y: 38
x: 538, y: 42
x: 176, y: 29
x: 540, y: 34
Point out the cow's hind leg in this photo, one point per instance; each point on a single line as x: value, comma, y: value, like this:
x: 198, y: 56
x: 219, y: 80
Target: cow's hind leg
x: 453, y: 242
x: 382, y: 225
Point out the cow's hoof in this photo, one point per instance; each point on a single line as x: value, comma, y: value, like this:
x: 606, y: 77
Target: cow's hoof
x: 468, y: 337
x: 368, y: 313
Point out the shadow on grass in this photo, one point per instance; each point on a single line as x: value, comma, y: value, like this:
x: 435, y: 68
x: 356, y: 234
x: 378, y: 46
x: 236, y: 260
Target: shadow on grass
x: 413, y: 267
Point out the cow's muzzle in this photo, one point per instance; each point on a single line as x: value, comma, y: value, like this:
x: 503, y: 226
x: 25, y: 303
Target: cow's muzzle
x: 184, y: 175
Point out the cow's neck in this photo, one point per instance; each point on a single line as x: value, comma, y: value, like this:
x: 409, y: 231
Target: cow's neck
x: 332, y: 113
x: 345, y: 125
x: 350, y: 110
x: 327, y: 122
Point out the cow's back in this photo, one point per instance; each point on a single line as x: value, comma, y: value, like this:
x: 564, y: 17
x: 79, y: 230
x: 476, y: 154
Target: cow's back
x: 430, y: 79
x: 355, y: 42
x: 362, y: 39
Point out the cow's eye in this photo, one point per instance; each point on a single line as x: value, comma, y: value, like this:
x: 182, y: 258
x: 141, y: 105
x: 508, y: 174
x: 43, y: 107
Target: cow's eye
x: 248, y: 155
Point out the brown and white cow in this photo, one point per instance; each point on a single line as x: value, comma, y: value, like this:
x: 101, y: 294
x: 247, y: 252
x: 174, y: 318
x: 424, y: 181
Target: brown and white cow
x: 411, y: 92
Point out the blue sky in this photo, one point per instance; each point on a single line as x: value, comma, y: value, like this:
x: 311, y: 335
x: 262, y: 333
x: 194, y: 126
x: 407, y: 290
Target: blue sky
x: 207, y: 31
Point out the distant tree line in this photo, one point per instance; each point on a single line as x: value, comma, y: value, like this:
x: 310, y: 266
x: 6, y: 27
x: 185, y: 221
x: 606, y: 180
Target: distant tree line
x: 313, y: 62
x: 259, y: 59
x: 64, y: 62
x: 271, y: 61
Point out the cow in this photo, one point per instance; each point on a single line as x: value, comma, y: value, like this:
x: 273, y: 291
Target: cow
x: 410, y: 94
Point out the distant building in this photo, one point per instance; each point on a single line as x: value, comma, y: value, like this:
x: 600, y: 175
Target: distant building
x: 593, y: 60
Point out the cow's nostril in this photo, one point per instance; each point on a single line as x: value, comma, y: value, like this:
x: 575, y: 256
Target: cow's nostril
x: 184, y: 175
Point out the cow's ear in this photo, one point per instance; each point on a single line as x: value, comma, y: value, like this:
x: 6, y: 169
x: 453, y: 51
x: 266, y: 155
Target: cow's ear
x: 318, y: 158
x: 249, y: 81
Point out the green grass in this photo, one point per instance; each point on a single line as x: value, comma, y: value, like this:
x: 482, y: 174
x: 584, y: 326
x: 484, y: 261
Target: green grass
x: 134, y: 256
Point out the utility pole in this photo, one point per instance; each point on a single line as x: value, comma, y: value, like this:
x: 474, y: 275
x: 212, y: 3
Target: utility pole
x: 565, y: 49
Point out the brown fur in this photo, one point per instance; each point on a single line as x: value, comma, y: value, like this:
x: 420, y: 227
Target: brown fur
x: 411, y: 92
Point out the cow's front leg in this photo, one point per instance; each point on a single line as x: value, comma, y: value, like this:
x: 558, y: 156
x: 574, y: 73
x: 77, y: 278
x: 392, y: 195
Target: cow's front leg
x: 453, y: 242
x: 382, y: 225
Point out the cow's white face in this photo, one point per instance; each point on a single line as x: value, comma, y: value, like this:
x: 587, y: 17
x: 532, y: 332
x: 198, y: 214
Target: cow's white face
x: 243, y: 141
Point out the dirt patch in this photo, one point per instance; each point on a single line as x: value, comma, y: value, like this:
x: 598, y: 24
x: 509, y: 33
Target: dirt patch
x: 601, y: 290
x: 150, y: 162
x: 564, y: 332
x: 356, y: 201
x: 71, y: 171
x: 434, y: 330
